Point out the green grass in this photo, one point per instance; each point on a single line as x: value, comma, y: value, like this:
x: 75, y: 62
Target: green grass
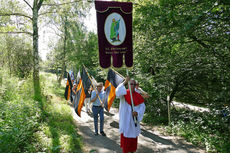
x: 26, y: 127
x: 58, y: 131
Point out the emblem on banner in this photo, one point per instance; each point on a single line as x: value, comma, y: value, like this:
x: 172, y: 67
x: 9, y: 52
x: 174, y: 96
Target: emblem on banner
x: 115, y: 29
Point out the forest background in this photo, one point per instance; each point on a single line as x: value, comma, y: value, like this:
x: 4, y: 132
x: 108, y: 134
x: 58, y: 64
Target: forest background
x: 181, y: 51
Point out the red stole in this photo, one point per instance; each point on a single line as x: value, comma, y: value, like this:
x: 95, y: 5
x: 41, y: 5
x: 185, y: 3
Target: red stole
x: 137, y: 98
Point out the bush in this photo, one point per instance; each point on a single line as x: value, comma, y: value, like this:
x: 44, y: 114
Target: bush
x: 208, y: 129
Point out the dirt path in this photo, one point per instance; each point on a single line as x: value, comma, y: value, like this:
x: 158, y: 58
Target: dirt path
x: 149, y: 141
x: 191, y: 107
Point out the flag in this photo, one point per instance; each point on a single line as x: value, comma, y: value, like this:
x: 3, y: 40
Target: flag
x: 94, y: 81
x: 79, y: 98
x: 78, y: 76
x: 113, y: 80
x: 71, y: 75
x: 82, y: 90
x: 114, y: 28
x: 68, y: 87
x: 86, y: 80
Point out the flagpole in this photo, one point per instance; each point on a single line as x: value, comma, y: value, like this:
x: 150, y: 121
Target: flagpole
x: 92, y: 83
x: 135, y: 119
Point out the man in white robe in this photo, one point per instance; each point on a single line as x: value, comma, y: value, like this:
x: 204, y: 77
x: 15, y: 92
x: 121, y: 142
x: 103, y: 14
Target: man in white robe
x: 129, y: 132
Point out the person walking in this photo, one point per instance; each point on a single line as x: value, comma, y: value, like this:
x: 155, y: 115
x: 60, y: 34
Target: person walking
x: 74, y: 91
x: 97, y: 98
x: 129, y: 131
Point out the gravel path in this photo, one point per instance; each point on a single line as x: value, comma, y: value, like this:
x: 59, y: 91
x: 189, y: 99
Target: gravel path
x: 191, y: 107
x: 149, y: 141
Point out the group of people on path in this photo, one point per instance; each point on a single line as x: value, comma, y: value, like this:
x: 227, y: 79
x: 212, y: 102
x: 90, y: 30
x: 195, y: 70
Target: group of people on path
x: 129, y: 129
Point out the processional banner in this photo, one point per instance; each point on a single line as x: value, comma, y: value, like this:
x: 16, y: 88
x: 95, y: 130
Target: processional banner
x: 114, y: 27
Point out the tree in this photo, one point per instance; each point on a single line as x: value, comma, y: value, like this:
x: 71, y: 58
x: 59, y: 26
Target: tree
x: 35, y: 7
x: 67, y: 23
x: 184, y: 52
x: 32, y: 15
x: 75, y: 46
x: 18, y: 52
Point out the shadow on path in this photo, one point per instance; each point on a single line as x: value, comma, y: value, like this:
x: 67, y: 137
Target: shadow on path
x: 148, y: 141
x: 114, y: 124
x: 156, y: 138
x: 108, y: 113
x: 179, y: 145
x: 98, y: 143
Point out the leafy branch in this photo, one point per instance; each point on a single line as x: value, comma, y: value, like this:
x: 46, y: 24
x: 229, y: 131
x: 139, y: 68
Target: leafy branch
x: 15, y: 14
x: 17, y: 32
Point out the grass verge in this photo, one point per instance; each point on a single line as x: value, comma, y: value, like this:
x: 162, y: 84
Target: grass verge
x: 25, y: 127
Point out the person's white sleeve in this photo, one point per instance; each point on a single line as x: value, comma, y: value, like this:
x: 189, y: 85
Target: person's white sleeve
x: 140, y: 109
x: 120, y: 90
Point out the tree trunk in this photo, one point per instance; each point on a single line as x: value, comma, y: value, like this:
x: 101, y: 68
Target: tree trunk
x: 37, y: 90
x: 8, y: 49
x: 9, y: 58
x: 62, y: 73
x: 64, y: 52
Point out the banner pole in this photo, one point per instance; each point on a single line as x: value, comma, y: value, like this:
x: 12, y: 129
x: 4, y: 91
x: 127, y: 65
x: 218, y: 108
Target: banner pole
x: 132, y: 106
